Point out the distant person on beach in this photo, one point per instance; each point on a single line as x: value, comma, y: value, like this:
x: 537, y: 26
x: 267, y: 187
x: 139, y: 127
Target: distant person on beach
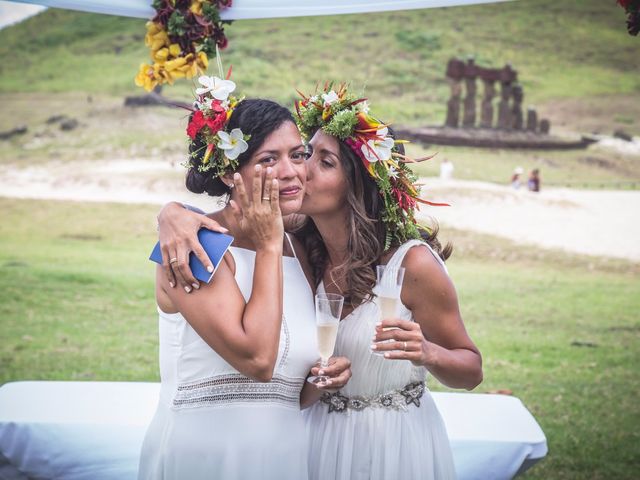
x: 446, y: 169
x: 515, y: 178
x: 534, y: 180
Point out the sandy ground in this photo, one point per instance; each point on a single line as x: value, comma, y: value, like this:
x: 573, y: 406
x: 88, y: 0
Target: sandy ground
x: 594, y: 222
x: 589, y: 222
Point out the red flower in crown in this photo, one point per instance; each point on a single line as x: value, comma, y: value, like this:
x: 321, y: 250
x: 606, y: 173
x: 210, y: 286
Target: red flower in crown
x: 196, y: 124
x: 217, y: 123
x: 199, y: 121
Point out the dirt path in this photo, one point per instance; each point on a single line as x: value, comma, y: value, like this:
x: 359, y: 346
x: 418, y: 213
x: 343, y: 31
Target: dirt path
x: 590, y: 222
x: 595, y: 222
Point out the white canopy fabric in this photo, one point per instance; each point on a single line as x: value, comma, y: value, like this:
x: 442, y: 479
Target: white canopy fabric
x: 245, y: 9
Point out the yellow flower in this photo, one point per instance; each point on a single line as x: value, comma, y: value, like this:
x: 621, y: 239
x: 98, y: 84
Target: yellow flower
x: 174, y: 50
x: 160, y: 56
x: 152, y: 29
x: 157, y: 40
x: 175, y: 63
x: 203, y: 60
x: 146, y: 77
x: 196, y: 7
x: 156, y: 36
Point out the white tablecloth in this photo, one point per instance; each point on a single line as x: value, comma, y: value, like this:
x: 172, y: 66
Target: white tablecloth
x: 94, y: 430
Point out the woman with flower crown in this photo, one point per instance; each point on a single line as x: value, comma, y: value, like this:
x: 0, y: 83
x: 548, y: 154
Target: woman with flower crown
x: 360, y: 203
x: 234, y: 354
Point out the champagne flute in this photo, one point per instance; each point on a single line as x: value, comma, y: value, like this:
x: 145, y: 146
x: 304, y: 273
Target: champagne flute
x: 328, y: 311
x: 389, y: 286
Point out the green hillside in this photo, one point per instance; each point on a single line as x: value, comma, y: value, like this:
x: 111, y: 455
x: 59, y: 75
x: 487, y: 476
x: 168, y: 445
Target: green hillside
x: 569, y: 49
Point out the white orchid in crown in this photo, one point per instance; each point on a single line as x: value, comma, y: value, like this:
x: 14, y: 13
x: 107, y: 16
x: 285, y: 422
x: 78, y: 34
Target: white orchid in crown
x: 379, y: 148
x: 232, y: 143
x: 329, y: 98
x: 219, y: 89
x: 362, y: 107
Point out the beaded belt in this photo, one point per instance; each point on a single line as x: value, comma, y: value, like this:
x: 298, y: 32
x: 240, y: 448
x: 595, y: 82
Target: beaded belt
x: 394, y: 400
x: 236, y: 388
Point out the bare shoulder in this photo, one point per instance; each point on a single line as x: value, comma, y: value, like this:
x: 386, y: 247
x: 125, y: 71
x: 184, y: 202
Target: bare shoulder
x: 425, y: 278
x: 420, y: 263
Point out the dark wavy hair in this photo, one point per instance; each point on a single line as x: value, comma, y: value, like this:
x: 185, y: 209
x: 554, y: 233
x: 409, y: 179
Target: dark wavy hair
x: 256, y: 117
x: 367, y: 232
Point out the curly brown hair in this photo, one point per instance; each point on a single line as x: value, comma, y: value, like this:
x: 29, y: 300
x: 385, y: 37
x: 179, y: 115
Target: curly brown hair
x: 367, y: 233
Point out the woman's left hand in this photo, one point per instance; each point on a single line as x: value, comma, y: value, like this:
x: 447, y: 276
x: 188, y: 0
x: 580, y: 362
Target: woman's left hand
x: 339, y: 371
x: 407, y: 341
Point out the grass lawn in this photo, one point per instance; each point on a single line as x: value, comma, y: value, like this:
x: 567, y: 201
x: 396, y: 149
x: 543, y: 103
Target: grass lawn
x: 560, y: 331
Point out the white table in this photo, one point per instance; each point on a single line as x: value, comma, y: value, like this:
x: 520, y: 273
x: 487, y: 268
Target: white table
x: 94, y: 430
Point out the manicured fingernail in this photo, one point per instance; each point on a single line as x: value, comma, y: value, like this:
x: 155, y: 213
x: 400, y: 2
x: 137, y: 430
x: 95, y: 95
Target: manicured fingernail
x: 374, y: 347
x: 223, y: 230
x: 321, y: 372
x: 187, y: 289
x: 386, y: 355
x: 269, y: 169
x: 236, y: 176
x: 210, y: 268
x: 172, y: 284
x: 379, y: 324
x: 195, y: 285
x: 258, y: 168
x: 328, y: 382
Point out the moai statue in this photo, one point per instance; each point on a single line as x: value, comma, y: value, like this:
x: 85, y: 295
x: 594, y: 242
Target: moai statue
x: 545, y: 126
x: 470, y: 74
x: 516, y: 108
x: 507, y: 77
x: 455, y: 72
x: 489, y: 77
x: 532, y: 120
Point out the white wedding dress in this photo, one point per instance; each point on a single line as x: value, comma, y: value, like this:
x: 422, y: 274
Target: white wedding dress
x: 384, y: 423
x: 212, y: 422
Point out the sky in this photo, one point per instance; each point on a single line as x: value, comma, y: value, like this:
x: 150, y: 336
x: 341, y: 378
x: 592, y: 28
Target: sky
x: 11, y: 12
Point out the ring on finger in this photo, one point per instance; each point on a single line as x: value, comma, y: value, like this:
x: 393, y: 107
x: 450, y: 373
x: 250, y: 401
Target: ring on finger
x: 173, y: 260
x: 268, y: 199
x: 404, y: 346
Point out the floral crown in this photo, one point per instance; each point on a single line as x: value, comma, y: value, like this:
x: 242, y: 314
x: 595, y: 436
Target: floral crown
x: 212, y: 110
x: 345, y: 116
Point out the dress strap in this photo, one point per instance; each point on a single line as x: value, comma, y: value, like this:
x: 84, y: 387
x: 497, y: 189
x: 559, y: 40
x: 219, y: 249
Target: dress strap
x: 396, y: 260
x: 291, y: 245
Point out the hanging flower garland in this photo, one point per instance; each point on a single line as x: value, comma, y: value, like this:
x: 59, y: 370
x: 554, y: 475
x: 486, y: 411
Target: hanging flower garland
x: 182, y: 37
x: 632, y: 7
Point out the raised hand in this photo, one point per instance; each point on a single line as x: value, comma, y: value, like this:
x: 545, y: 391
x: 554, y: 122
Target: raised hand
x: 258, y: 214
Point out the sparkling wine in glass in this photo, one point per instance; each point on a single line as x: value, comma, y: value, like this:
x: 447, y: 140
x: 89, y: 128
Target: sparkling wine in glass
x: 388, y: 288
x: 328, y: 311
